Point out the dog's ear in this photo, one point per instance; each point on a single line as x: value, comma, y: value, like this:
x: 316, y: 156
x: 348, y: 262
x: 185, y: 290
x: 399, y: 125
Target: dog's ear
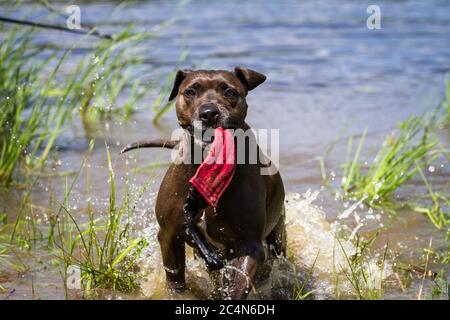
x: 249, y: 78
x: 181, y: 74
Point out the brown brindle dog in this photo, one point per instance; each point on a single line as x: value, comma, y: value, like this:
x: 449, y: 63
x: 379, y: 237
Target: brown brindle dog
x: 250, y: 213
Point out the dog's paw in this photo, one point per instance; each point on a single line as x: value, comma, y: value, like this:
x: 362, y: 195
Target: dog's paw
x: 175, y: 286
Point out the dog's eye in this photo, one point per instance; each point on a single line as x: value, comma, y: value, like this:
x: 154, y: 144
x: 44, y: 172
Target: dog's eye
x: 230, y: 93
x: 190, y: 93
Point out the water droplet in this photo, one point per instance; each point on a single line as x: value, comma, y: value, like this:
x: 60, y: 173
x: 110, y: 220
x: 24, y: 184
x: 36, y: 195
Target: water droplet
x: 378, y: 185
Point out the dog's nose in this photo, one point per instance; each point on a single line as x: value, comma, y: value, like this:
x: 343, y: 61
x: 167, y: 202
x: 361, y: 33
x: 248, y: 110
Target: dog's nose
x: 209, y: 113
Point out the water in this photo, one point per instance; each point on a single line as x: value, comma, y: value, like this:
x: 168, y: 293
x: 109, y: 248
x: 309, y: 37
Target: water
x: 329, y: 78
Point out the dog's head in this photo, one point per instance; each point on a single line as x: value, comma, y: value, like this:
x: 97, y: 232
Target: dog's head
x: 213, y: 98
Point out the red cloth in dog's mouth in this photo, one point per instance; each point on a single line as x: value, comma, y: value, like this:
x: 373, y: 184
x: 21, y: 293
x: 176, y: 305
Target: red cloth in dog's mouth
x: 216, y: 171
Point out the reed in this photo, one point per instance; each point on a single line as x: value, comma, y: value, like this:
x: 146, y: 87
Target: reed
x: 365, y: 278
x: 21, y: 111
x: 441, y: 287
x: 436, y: 212
x: 105, y: 252
x: 301, y: 291
x: 393, y: 166
x: 39, y: 96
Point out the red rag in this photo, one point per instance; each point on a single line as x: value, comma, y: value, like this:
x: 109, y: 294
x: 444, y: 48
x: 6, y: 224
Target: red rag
x: 216, y: 171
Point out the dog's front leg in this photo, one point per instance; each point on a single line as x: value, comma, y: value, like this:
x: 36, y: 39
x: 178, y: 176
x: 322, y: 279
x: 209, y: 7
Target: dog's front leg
x: 250, y: 257
x: 174, y: 259
x: 193, y: 206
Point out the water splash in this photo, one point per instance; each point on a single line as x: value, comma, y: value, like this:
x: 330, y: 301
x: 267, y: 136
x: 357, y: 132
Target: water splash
x: 312, y: 246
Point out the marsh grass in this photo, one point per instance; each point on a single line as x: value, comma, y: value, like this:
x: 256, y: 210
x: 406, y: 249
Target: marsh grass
x: 21, y: 116
x: 39, y: 96
x: 425, y: 270
x: 365, y: 278
x: 441, y: 287
x: 104, y: 251
x: 436, y: 212
x: 393, y: 166
x: 301, y: 291
x: 108, y: 71
x: 8, y: 249
x: 25, y: 231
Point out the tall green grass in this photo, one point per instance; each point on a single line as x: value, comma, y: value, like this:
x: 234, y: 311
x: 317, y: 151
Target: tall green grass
x: 365, y: 278
x: 436, y: 212
x: 39, y: 96
x: 301, y: 291
x: 105, y: 252
x: 22, y: 111
x: 441, y: 287
x: 6, y: 248
x: 393, y: 166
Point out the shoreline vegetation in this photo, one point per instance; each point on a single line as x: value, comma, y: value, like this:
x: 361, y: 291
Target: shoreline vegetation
x: 38, y: 101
